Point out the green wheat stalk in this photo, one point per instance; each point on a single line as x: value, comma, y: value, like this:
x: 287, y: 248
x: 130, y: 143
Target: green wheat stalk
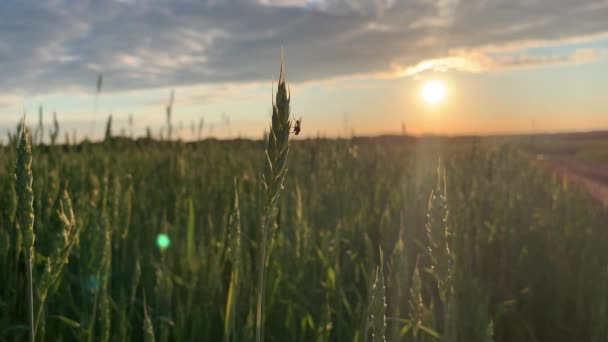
x: 148, y: 327
x: 234, y: 254
x: 59, y: 257
x: 439, y: 256
x: 376, y: 326
x: 25, y: 213
x: 275, y: 169
x: 108, y: 135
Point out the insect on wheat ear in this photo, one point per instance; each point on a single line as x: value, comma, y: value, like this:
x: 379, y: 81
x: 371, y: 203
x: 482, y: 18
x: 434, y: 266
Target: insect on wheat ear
x: 297, y: 126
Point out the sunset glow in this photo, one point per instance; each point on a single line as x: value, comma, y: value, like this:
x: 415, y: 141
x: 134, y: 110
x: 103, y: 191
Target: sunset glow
x: 486, y: 69
x: 434, y: 92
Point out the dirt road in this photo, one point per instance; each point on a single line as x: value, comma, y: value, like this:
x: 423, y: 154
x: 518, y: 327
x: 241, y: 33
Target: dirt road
x: 592, y: 176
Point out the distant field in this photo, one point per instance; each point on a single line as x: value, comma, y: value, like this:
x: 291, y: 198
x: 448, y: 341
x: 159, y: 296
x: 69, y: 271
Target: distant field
x: 585, y: 147
x: 493, y: 248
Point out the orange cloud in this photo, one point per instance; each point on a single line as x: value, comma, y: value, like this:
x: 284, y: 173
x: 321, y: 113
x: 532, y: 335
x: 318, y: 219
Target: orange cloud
x: 478, y: 61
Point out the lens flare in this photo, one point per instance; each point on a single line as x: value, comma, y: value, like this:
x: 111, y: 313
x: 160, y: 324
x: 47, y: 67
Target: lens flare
x: 163, y: 241
x: 93, y: 283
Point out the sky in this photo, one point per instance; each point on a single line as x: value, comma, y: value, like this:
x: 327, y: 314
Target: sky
x: 353, y: 66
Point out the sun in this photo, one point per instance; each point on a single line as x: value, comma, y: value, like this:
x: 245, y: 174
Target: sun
x: 434, y: 92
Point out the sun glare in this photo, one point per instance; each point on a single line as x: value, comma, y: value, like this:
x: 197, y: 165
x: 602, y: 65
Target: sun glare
x: 433, y: 92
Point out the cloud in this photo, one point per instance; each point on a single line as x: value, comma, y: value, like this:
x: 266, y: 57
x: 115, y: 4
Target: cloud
x: 138, y: 44
x: 476, y: 61
x: 527, y: 61
x: 460, y: 63
x: 211, y: 94
x: 444, y: 15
